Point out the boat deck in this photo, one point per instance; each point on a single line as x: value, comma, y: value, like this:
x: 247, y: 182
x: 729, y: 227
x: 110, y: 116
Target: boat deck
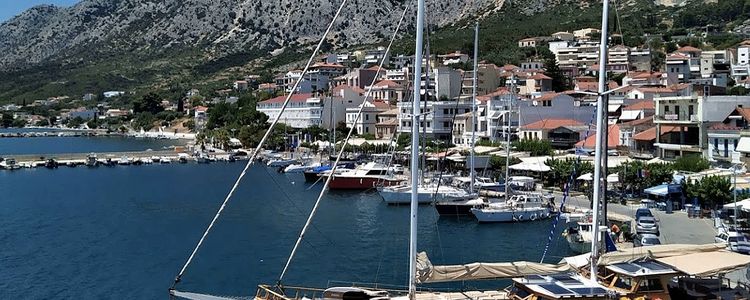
x: 297, y: 293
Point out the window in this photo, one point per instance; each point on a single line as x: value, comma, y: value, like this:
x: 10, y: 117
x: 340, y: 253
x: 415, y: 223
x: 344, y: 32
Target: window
x: 650, y: 284
x: 716, y: 144
x: 445, y: 111
x: 367, y: 129
x: 367, y: 117
x: 448, y: 124
x: 428, y: 124
x: 735, y: 145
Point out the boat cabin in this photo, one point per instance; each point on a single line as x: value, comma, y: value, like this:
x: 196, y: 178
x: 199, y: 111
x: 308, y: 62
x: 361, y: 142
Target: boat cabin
x: 639, y: 279
x: 561, y: 286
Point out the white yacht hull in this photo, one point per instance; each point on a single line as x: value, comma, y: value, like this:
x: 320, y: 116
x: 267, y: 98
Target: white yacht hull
x: 493, y: 215
x: 402, y: 194
x: 578, y: 244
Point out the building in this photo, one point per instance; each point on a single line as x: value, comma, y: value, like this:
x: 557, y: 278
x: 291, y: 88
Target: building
x: 448, y: 83
x: 437, y: 117
x: 555, y: 106
x: 111, y: 94
x: 367, y: 121
x: 528, y: 42
x: 387, y: 124
x: 453, y: 58
x: 636, y: 110
x: 387, y: 91
x: 502, y: 115
x: 692, y: 116
x: 357, y: 77
x: 488, y: 80
x: 677, y: 68
x: 200, y: 116
x: 694, y: 59
x: 741, y: 63
x: 241, y: 85
x: 563, y: 36
x: 83, y: 113
x: 311, y: 82
x: 639, y: 59
x: 561, y: 133
x: 375, y: 56
x: 306, y: 109
x: 535, y: 85
x: 724, y: 137
x: 585, y: 33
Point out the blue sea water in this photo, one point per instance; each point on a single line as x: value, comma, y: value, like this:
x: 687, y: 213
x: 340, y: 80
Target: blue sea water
x: 124, y: 233
x: 83, y: 144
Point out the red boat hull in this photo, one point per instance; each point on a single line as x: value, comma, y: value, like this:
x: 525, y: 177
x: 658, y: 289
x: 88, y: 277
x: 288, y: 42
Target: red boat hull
x: 360, y: 183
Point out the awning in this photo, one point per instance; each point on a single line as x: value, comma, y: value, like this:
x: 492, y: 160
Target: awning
x: 654, y: 252
x: 426, y: 272
x: 533, y: 167
x: 663, y: 190
x: 613, y: 178
x: 586, y: 177
x: 744, y: 145
x: 721, y: 262
x: 629, y: 115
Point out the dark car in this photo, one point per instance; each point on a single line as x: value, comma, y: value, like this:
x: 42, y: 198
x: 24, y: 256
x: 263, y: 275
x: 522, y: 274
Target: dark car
x: 643, y: 212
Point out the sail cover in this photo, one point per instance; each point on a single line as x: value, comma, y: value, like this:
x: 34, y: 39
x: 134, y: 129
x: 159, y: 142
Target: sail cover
x: 427, y: 273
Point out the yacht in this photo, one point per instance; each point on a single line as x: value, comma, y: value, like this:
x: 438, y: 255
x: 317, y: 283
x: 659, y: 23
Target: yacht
x: 300, y: 168
x: 579, y: 237
x: 282, y: 163
x: 369, y: 175
x: 125, y: 160
x: 518, y: 208
x: 91, y: 160
x: 429, y: 193
x: 10, y: 164
x: 459, y: 206
x: 480, y: 183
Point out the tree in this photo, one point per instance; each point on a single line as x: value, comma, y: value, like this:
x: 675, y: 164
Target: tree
x: 711, y: 191
x: 559, y: 81
x: 535, y: 147
x: 75, y: 122
x: 144, y: 120
x: 189, y: 124
x: 738, y: 91
x: 561, y: 170
x: 7, y: 120
x: 150, y: 102
x: 93, y: 123
x: 691, y: 163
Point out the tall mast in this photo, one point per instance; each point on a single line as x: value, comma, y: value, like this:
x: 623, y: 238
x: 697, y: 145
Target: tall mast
x: 415, y: 151
x: 507, y: 133
x: 474, y: 108
x: 601, y: 125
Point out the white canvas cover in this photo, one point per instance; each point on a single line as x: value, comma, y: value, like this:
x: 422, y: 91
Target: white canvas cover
x: 426, y: 272
x: 656, y: 252
x: 707, y: 263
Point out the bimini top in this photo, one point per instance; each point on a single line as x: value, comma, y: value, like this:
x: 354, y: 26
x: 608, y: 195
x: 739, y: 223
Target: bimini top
x: 641, y: 268
x: 562, y: 286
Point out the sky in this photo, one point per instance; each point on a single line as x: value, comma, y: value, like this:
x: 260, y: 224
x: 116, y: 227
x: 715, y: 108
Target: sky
x: 11, y: 8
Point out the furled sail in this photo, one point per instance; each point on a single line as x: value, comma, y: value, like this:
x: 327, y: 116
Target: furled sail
x: 427, y: 273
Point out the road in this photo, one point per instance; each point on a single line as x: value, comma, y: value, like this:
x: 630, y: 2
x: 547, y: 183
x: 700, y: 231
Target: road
x: 676, y: 228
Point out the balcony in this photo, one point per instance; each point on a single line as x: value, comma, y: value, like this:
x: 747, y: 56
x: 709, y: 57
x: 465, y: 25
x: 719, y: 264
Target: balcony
x: 681, y: 118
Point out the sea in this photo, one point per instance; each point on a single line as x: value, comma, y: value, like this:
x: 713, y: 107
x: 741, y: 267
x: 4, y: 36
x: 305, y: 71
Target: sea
x: 125, y: 232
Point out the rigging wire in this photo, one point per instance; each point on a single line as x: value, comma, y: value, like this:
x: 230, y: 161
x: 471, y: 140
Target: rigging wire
x: 341, y: 152
x: 258, y: 148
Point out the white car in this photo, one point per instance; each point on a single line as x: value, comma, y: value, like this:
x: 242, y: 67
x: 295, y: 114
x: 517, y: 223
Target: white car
x: 734, y: 240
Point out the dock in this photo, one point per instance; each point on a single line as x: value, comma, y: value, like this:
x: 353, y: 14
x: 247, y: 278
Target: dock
x: 111, y: 158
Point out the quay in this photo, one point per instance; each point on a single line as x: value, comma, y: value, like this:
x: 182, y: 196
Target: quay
x: 122, y: 158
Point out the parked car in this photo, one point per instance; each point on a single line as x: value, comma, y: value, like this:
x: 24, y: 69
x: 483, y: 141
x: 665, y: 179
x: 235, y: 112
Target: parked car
x: 735, y: 241
x: 643, y: 212
x: 647, y: 224
x: 646, y: 239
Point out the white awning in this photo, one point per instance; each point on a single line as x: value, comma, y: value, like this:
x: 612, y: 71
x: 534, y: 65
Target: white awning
x: 744, y: 145
x: 721, y: 262
x: 586, y: 177
x: 629, y: 115
x: 533, y: 167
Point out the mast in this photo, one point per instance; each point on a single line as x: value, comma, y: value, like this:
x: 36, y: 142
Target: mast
x: 600, y: 129
x: 507, y: 133
x: 415, y: 152
x: 474, y: 108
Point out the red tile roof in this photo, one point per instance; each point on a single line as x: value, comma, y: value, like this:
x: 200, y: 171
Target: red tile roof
x: 547, y: 96
x: 552, y: 124
x: 645, y: 75
x: 677, y: 56
x: 380, y: 104
x: 689, y: 49
x: 636, y: 122
x: 201, y: 108
x: 295, y: 98
x: 337, y: 89
x: 613, y: 138
x: 650, y: 134
x: 641, y: 105
x: 540, y: 76
x: 327, y: 65
x: 387, y: 83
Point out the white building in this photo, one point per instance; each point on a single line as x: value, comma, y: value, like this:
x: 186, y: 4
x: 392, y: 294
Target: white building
x: 438, y: 117
x: 305, y: 110
x: 368, y: 119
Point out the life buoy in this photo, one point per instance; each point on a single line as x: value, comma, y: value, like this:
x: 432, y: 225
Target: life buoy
x: 545, y: 215
x: 520, y: 218
x: 533, y: 217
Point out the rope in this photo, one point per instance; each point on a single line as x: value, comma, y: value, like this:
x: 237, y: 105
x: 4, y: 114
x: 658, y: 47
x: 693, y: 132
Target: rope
x: 257, y: 149
x: 341, y: 152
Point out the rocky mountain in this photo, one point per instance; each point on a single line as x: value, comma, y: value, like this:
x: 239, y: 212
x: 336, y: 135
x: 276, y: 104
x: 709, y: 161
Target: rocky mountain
x: 215, y: 27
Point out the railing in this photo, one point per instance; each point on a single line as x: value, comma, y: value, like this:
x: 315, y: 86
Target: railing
x: 677, y: 117
x: 266, y: 292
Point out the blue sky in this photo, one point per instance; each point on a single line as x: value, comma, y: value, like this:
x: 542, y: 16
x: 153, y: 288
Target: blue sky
x: 11, y: 8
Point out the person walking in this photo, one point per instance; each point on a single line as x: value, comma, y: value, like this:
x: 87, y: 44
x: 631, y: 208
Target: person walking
x: 616, y: 232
